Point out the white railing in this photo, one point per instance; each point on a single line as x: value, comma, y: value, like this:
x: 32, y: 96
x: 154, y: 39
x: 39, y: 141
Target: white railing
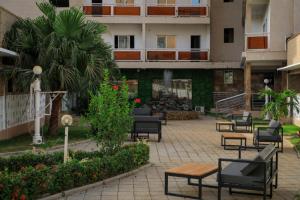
x: 231, y: 104
x: 16, y: 110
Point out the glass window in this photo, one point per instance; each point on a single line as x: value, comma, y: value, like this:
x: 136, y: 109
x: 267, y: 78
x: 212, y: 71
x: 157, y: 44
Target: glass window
x: 124, y: 41
x: 125, y: 2
x: 228, y: 35
x: 60, y: 3
x: 196, y: 2
x: 166, y: 41
x: 228, y: 77
x: 226, y: 1
x: 166, y: 2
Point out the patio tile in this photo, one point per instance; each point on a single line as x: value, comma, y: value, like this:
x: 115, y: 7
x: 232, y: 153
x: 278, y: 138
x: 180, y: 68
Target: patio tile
x: 190, y: 141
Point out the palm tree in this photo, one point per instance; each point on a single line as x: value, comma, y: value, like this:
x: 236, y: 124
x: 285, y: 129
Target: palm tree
x: 68, y: 47
x: 280, y: 103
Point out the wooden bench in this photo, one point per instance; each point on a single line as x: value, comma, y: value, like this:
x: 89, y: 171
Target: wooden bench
x: 191, y: 171
x: 233, y: 136
x: 230, y: 126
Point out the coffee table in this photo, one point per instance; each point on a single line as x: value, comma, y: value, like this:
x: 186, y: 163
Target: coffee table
x: 191, y: 171
x: 233, y: 136
x: 230, y: 126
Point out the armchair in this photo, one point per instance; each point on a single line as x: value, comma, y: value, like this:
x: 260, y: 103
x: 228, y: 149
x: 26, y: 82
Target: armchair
x: 243, y: 174
x: 244, y: 120
x: 271, y: 134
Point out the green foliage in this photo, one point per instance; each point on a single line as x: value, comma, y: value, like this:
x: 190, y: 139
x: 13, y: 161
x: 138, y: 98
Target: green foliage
x: 280, y: 103
x: 68, y: 47
x: 110, y: 115
x: 46, y: 174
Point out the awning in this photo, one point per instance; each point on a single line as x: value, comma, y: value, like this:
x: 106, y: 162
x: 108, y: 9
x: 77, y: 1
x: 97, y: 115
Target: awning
x: 290, y: 67
x: 7, y: 53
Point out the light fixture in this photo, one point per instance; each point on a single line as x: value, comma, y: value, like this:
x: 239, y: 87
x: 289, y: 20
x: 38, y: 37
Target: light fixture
x: 66, y: 120
x: 266, y: 81
x: 37, y: 70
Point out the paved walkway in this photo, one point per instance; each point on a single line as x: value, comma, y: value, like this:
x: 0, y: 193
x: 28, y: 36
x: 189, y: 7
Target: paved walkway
x: 183, y: 142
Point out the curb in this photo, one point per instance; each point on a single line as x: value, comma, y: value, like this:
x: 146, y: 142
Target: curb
x: 93, y: 185
x: 14, y: 153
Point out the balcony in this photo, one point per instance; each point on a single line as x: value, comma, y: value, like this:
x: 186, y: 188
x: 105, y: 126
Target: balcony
x: 127, y: 55
x: 177, y: 55
x: 257, y: 41
x: 178, y: 10
x: 111, y: 10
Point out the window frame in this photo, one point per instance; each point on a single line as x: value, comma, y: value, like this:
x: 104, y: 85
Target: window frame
x: 128, y: 42
x: 166, y: 41
x: 226, y: 77
x: 227, y: 38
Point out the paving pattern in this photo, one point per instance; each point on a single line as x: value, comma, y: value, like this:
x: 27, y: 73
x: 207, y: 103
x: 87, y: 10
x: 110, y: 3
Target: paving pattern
x: 184, y: 142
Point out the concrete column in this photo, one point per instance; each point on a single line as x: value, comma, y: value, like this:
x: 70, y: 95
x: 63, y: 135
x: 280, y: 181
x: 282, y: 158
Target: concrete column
x: 248, y: 24
x: 143, y: 56
x: 247, y: 86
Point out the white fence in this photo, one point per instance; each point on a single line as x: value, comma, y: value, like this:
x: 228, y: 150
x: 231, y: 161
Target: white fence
x: 18, y: 109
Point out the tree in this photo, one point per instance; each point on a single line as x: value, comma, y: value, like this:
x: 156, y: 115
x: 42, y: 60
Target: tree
x: 68, y: 47
x: 280, y: 103
x: 110, y: 115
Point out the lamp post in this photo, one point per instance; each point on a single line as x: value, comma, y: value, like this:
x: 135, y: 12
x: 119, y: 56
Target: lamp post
x: 66, y: 121
x: 37, y: 138
x: 266, y: 81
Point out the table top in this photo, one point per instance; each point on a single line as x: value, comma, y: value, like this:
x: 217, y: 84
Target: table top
x: 225, y: 122
x: 233, y: 135
x: 194, y: 169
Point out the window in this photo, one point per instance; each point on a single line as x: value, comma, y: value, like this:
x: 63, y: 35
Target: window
x: 60, y: 3
x: 124, y: 41
x: 195, y: 42
x: 166, y: 41
x: 96, y: 1
x: 125, y: 2
x: 226, y: 1
x: 196, y: 2
x: 228, y: 35
x: 228, y: 77
x: 166, y: 2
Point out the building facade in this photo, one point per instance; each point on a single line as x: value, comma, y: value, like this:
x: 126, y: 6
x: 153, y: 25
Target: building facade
x: 195, y: 43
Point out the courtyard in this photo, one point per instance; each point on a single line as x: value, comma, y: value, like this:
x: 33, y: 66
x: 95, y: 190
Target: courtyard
x: 184, y: 142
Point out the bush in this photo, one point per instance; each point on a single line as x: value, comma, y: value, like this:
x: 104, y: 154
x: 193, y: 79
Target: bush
x: 110, y: 115
x: 46, y: 174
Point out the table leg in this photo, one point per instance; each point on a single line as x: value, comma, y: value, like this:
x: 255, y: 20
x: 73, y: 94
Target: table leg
x: 166, y: 183
x: 200, y: 188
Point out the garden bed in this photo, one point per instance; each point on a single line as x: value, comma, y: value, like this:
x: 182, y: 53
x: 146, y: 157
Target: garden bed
x: 31, y: 176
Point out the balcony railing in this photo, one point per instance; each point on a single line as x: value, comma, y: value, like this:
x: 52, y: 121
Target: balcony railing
x: 257, y: 41
x: 112, y: 10
x: 127, y: 55
x: 177, y: 10
x: 177, y: 55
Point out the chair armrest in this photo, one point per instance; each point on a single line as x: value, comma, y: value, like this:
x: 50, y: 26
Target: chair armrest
x: 257, y: 148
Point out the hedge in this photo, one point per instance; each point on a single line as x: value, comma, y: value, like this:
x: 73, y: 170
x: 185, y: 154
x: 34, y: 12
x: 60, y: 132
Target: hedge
x: 31, y: 176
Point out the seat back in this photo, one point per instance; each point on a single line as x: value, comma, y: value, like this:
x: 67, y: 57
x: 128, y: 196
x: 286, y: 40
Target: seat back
x: 274, y: 127
x: 144, y: 111
x: 246, y: 116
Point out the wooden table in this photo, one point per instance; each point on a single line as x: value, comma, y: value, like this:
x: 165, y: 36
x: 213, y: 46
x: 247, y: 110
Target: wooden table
x: 230, y: 126
x: 233, y: 136
x: 191, y: 171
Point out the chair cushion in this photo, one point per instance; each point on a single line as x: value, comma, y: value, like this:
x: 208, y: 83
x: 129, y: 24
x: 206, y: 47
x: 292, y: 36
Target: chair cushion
x: 267, y: 136
x: 246, y: 115
x: 263, y: 155
x: 142, y: 111
x: 273, y: 126
x: 250, y: 167
x: 232, y: 174
x: 142, y: 118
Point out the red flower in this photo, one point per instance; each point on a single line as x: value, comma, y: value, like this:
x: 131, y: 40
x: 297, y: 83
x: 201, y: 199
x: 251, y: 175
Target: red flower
x: 115, y: 87
x: 23, y: 197
x: 137, y: 100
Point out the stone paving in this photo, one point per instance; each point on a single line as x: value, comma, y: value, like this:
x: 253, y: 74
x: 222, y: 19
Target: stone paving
x: 184, y: 142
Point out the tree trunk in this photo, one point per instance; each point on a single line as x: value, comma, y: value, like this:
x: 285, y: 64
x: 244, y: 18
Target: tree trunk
x: 54, y: 118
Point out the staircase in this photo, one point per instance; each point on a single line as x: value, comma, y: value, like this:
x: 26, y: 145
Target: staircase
x: 231, y: 104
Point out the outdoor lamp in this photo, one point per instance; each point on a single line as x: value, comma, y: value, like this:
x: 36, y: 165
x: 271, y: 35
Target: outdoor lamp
x: 37, y: 70
x: 266, y: 81
x: 66, y: 121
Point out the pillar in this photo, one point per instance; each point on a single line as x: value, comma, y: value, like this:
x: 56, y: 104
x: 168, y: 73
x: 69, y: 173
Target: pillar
x: 247, y: 86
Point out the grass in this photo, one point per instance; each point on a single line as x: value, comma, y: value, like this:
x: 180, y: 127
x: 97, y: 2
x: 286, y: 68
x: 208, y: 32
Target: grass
x: 23, y: 142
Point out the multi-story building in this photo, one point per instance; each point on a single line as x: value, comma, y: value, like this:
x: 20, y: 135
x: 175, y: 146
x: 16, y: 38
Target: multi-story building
x: 193, y: 42
x: 268, y: 26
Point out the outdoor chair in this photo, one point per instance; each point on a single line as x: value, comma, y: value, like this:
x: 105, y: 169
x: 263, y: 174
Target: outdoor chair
x: 146, y: 125
x: 163, y: 117
x: 244, y: 175
x: 244, y: 120
x: 142, y: 111
x: 271, y: 134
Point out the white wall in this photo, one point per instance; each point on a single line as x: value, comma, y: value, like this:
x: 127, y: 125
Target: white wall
x: 124, y: 29
x: 182, y: 33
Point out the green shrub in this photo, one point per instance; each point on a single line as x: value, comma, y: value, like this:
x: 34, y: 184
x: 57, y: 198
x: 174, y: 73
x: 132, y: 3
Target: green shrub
x: 44, y: 174
x: 110, y: 115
